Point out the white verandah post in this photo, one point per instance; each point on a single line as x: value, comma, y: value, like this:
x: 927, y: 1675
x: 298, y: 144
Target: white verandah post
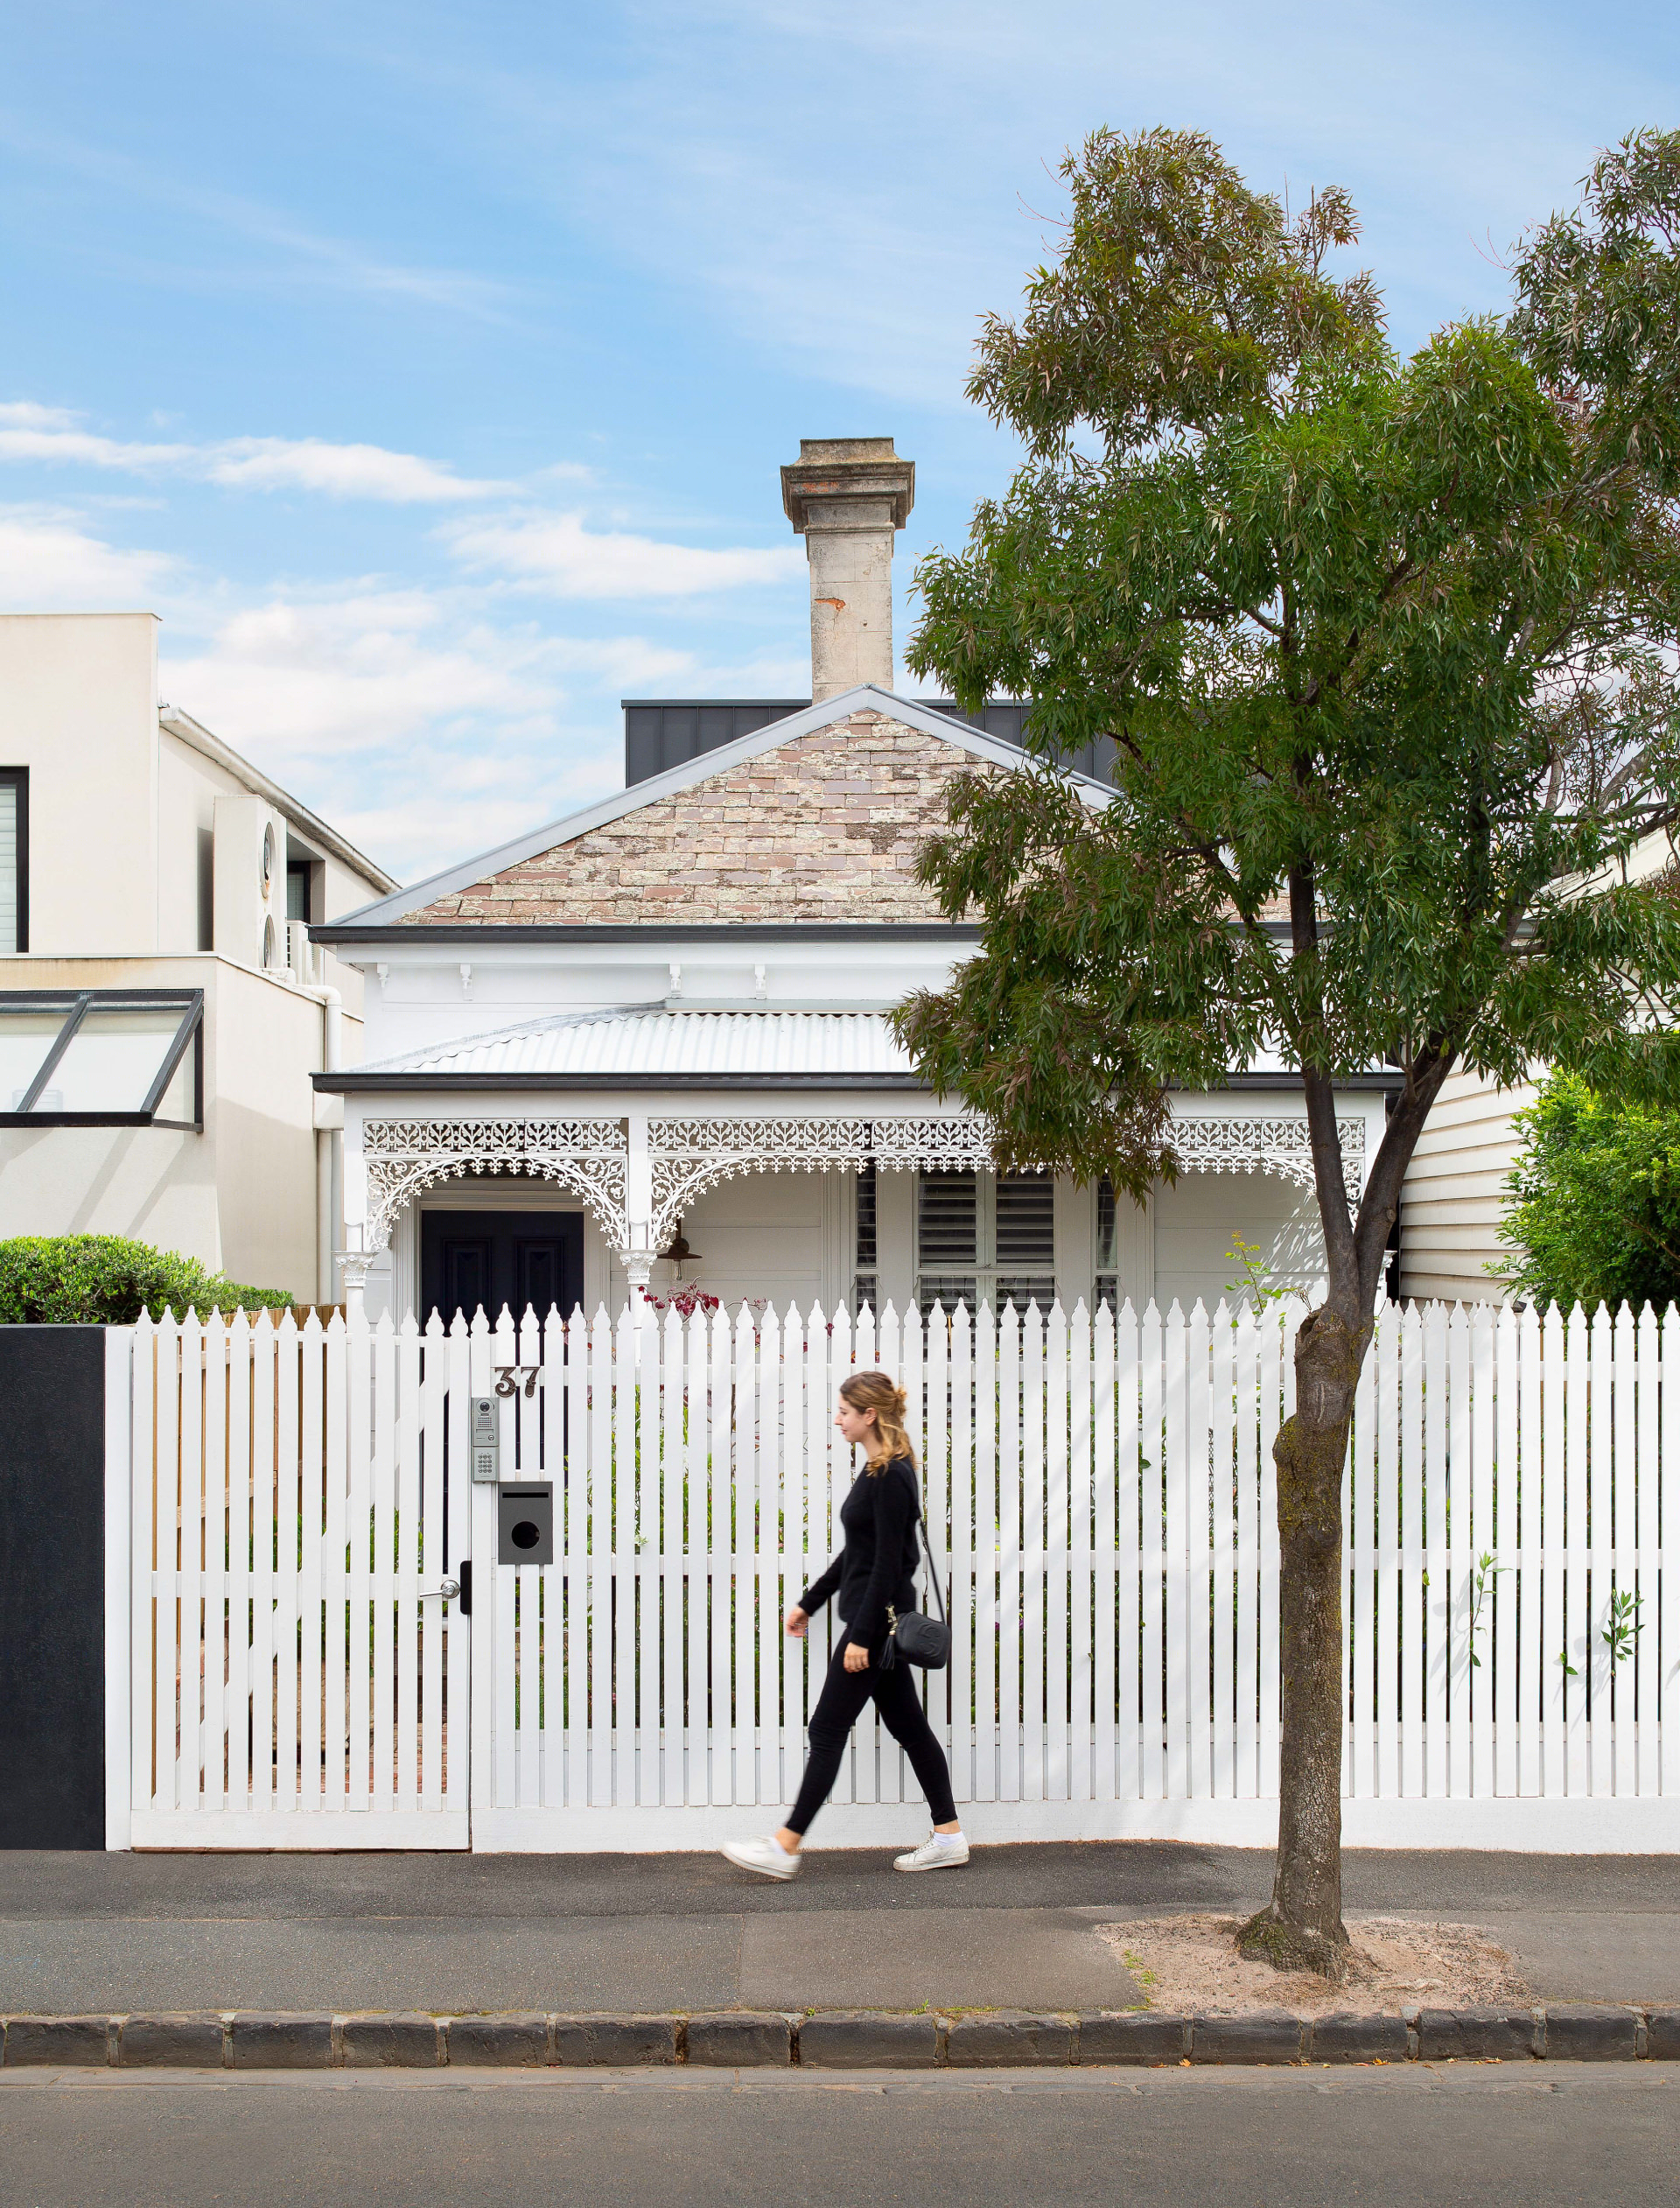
x: 639, y: 1252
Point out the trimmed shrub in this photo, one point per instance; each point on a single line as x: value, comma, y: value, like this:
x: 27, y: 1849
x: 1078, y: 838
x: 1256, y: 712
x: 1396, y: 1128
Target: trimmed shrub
x: 100, y: 1279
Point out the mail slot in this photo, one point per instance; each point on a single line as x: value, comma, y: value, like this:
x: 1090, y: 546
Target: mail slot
x: 526, y: 1516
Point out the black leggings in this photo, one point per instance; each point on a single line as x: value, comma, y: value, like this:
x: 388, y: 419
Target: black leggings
x: 839, y: 1707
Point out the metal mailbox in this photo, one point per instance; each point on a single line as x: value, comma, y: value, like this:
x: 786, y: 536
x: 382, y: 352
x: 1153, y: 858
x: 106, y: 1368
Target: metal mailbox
x: 525, y: 1522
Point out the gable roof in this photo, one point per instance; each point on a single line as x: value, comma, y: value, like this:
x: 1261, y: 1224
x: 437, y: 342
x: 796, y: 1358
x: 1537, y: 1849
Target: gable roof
x: 865, y: 697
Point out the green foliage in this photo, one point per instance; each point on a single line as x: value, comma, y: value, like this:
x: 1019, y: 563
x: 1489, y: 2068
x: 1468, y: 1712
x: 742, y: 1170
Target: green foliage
x: 100, y: 1279
x: 1594, y: 1216
x: 1622, y: 1627
x: 1487, y: 1570
x: 1257, y: 1279
x: 1386, y: 646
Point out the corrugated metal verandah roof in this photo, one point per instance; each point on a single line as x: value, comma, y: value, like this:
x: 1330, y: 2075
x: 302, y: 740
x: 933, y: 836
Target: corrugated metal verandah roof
x: 684, y: 1046
x: 640, y: 1042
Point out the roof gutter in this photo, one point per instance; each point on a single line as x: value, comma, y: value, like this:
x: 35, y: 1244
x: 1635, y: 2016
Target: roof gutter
x: 650, y: 931
x: 358, y: 1081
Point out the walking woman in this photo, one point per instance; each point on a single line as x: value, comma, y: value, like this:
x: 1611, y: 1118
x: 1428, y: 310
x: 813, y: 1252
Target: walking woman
x: 875, y: 1571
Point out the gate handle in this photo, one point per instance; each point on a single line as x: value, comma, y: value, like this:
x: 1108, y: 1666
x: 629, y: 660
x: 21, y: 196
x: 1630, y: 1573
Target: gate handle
x: 449, y: 1589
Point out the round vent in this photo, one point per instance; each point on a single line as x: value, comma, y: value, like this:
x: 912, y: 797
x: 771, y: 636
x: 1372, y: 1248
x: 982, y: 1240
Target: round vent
x: 267, y: 943
x: 267, y: 865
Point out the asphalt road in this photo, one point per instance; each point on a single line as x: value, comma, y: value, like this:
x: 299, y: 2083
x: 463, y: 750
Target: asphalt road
x: 1208, y: 2139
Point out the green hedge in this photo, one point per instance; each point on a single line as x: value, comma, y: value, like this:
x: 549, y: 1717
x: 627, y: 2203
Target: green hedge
x: 100, y: 1279
x: 1594, y: 1208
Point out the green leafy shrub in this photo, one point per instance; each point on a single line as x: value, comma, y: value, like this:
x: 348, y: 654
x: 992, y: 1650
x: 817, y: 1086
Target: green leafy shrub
x: 1594, y: 1216
x: 100, y: 1279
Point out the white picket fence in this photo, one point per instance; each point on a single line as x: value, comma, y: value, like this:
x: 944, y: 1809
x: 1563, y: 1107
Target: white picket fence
x: 1102, y: 1499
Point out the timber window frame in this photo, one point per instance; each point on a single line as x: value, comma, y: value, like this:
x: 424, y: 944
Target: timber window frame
x: 985, y: 1238
x: 1108, y: 1247
x: 865, y: 1243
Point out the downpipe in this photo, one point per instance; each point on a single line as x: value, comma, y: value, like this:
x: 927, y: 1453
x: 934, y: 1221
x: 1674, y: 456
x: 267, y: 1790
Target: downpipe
x: 329, y: 1145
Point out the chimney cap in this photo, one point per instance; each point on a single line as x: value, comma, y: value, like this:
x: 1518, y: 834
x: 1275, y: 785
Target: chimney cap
x: 832, y: 472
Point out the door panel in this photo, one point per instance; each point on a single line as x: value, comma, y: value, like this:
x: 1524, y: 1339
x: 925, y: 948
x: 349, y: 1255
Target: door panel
x: 539, y: 1272
x: 467, y: 1275
x: 489, y: 1258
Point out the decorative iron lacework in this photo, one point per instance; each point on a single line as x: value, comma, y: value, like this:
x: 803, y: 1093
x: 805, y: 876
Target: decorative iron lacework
x: 1283, y: 1146
x: 689, y: 1156
x: 404, y: 1156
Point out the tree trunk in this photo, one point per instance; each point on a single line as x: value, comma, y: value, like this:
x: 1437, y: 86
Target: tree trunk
x: 1301, y: 1926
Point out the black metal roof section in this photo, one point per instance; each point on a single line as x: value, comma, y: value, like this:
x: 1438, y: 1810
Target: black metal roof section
x: 101, y: 1058
x: 663, y: 733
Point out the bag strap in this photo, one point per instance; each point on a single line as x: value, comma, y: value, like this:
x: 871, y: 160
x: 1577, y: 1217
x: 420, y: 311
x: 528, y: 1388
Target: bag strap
x: 933, y: 1568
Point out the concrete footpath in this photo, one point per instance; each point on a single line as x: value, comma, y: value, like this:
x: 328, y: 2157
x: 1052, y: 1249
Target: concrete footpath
x: 84, y: 1934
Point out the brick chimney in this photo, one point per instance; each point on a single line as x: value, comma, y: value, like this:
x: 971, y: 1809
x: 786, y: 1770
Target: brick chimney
x: 845, y: 496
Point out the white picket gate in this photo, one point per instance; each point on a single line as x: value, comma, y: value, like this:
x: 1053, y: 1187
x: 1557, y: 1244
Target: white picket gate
x: 1102, y: 1499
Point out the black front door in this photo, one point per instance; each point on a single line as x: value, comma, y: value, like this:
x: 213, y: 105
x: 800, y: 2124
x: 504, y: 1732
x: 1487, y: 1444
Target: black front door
x: 491, y: 1258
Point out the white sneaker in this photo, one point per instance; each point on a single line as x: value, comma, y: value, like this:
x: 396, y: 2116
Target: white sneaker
x: 939, y: 1852
x: 769, y: 1857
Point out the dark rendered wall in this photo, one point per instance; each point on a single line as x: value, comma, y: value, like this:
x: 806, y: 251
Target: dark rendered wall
x: 52, y: 1587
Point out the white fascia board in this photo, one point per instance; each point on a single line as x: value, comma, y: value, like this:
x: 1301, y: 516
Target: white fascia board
x: 737, y: 1097
x: 1253, y: 1100
x: 865, y: 697
x: 661, y: 944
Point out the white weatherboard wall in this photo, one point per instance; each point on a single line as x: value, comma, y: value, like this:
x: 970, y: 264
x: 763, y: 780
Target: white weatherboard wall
x: 1454, y: 1194
x: 1102, y: 1501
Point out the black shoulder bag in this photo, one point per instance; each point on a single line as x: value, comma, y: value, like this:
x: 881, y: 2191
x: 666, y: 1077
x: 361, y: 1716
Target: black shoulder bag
x: 920, y: 1640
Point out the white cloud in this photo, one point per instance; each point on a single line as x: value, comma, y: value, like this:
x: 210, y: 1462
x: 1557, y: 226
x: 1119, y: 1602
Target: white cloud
x: 556, y: 553
x: 438, y: 820
x: 313, y: 678
x: 24, y: 414
x: 50, y: 435
x: 340, y: 471
x: 426, y: 723
x: 415, y: 730
x: 49, y: 564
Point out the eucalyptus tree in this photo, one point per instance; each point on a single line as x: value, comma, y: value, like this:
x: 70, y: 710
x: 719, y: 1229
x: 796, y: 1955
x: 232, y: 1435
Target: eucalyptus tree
x: 1386, y: 645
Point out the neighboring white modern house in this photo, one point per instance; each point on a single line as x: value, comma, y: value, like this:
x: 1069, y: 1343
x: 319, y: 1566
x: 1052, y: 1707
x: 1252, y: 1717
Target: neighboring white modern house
x: 162, y: 1009
x: 648, y: 1043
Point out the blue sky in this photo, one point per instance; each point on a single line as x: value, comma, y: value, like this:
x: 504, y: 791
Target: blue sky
x: 428, y: 368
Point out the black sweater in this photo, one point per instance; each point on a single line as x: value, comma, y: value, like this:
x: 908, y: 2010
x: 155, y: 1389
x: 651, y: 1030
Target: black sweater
x: 878, y: 1563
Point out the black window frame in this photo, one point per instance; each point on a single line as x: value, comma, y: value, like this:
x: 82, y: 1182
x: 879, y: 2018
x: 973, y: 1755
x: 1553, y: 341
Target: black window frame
x: 16, y: 778
x: 77, y: 1004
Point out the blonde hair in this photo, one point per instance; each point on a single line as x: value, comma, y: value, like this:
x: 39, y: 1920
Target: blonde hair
x: 875, y: 1391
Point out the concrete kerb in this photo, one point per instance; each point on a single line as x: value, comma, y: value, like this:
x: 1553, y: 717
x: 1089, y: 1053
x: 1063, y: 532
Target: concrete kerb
x: 841, y: 2039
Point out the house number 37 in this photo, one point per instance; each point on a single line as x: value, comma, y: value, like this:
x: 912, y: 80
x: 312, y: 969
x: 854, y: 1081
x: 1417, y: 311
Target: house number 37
x: 510, y: 1377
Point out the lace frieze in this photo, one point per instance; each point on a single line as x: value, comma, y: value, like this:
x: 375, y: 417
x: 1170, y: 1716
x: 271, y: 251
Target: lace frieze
x: 404, y: 1156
